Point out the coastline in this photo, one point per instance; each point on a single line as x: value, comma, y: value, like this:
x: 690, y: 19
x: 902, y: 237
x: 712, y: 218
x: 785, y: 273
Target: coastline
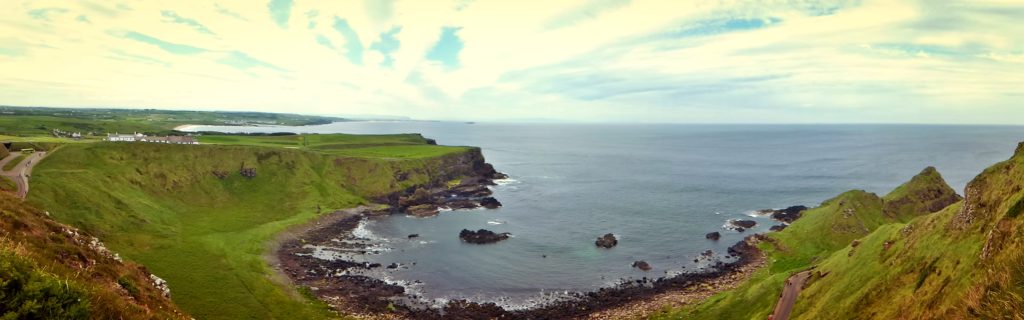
x: 350, y: 287
x: 184, y: 127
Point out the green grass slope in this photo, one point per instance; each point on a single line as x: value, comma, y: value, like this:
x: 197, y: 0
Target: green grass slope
x: 925, y: 193
x: 51, y: 271
x: 166, y: 207
x: 819, y: 239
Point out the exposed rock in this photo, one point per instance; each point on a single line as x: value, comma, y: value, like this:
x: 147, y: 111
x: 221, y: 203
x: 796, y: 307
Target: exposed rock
x: 713, y: 236
x: 779, y: 227
x: 642, y: 265
x: 788, y: 215
x: 606, y: 241
x: 393, y: 265
x: 482, y: 236
x: 220, y: 174
x: 490, y: 203
x: 414, y: 235
x: 743, y: 223
x: 247, y: 172
x: 423, y: 210
x: 740, y: 229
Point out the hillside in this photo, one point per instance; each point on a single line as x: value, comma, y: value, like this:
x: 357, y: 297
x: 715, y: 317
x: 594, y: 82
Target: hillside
x: 863, y: 256
x: 201, y: 216
x: 54, y: 271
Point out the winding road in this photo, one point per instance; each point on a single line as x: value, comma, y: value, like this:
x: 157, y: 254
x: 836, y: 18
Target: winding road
x: 794, y: 284
x: 23, y: 171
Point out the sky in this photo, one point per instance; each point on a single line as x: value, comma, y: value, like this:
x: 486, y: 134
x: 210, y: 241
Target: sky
x: 680, y: 61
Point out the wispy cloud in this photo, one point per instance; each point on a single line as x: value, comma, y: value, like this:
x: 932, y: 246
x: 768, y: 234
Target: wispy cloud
x: 588, y: 60
x: 171, y: 16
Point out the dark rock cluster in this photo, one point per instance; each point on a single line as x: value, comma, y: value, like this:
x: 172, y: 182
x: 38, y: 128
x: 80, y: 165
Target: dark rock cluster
x: 606, y: 241
x: 482, y: 236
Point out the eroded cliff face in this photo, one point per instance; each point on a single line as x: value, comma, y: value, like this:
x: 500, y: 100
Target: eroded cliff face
x: 455, y: 181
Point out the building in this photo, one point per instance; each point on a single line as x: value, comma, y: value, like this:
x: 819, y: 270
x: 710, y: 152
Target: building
x: 138, y: 137
x: 125, y: 137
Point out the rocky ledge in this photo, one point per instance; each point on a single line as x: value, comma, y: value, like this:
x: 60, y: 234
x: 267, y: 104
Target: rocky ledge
x: 482, y: 236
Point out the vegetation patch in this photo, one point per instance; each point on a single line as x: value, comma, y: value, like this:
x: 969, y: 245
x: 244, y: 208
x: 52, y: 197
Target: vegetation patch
x: 14, y: 162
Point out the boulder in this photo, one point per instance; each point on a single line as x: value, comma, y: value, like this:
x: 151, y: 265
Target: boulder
x: 642, y: 265
x: 606, y: 241
x: 482, y: 236
x: 713, y: 236
x: 490, y: 203
x: 743, y: 223
x: 414, y: 235
x: 393, y: 265
x: 777, y: 227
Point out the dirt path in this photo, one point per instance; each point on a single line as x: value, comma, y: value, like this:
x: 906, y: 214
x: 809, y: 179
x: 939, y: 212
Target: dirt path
x: 23, y: 171
x: 794, y: 284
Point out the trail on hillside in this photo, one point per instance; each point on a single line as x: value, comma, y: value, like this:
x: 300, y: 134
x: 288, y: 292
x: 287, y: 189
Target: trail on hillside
x: 794, y: 284
x: 21, y: 172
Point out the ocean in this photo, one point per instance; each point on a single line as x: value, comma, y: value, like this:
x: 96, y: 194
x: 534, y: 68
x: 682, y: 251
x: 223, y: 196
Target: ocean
x: 658, y: 188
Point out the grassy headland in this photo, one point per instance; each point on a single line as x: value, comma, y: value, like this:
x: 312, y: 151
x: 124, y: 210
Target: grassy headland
x: 918, y: 252
x: 188, y: 214
x: 37, y: 124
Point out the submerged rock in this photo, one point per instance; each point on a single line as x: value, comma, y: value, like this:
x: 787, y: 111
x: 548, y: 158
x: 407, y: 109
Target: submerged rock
x: 713, y: 236
x: 642, y: 265
x: 606, y: 241
x: 423, y: 210
x: 482, y: 236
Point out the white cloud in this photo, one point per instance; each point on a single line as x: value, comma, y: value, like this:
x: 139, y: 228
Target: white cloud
x: 590, y: 60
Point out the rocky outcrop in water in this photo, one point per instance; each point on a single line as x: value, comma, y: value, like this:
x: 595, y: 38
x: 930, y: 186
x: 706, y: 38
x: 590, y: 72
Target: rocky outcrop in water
x: 482, y: 236
x: 713, y: 236
x: 787, y: 215
x: 606, y: 241
x: 743, y: 224
x: 642, y: 265
x: 490, y: 203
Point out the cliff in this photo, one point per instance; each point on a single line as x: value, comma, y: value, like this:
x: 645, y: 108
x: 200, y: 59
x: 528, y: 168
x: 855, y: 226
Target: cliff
x: 201, y: 216
x: 919, y: 252
x: 54, y: 271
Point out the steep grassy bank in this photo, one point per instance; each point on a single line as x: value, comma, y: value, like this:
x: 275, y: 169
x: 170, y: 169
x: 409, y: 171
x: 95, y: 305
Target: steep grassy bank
x: 52, y: 271
x: 852, y: 242
x: 188, y: 214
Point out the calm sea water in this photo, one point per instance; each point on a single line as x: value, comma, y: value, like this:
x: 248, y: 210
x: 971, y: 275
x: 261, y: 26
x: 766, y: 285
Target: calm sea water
x: 659, y: 188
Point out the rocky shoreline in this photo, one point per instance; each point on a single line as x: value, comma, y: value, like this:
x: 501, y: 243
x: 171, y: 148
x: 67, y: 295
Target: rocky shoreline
x: 346, y: 287
x: 322, y: 257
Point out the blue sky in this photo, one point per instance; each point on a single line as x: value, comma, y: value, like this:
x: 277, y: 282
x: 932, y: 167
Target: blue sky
x: 841, y: 61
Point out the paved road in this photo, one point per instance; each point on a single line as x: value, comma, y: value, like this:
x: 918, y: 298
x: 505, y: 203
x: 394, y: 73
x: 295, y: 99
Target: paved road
x: 22, y: 172
x: 794, y: 284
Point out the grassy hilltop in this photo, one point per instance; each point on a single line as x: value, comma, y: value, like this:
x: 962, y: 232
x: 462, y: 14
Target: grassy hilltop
x: 187, y: 213
x: 36, y: 123
x: 919, y: 252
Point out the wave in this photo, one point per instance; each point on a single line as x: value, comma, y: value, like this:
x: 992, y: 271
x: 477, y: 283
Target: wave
x: 496, y: 222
